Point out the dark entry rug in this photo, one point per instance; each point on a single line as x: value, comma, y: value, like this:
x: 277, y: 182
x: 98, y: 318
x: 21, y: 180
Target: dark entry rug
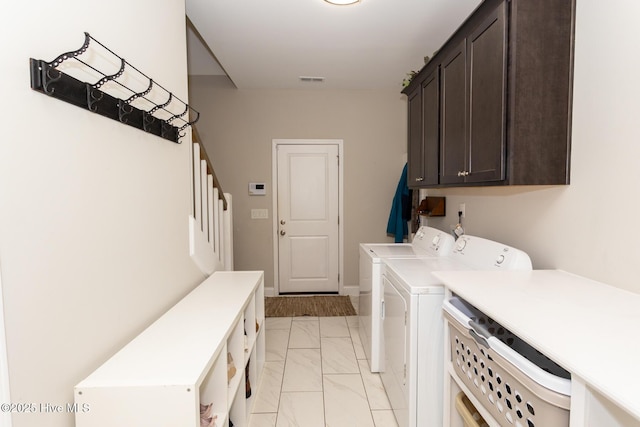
x: 317, y: 305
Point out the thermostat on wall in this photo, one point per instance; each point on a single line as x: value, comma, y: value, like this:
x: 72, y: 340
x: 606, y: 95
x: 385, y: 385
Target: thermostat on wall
x: 257, y: 189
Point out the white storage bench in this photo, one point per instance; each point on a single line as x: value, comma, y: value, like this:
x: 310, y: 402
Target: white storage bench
x: 179, y: 362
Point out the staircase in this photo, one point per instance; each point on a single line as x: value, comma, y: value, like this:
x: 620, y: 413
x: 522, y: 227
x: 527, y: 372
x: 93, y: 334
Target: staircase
x: 210, y: 223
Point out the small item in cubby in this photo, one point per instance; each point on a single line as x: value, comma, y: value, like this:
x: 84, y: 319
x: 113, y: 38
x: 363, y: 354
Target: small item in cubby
x: 231, y: 367
x: 205, y: 410
x: 206, y: 420
x: 247, y: 383
x: 246, y: 338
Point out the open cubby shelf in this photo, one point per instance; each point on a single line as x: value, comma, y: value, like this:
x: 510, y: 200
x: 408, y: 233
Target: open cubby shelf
x: 179, y: 362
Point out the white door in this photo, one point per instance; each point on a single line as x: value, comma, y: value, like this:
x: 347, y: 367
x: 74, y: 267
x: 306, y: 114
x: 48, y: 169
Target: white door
x: 307, y: 215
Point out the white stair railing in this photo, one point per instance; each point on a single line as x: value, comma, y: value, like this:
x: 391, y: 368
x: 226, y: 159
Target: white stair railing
x: 210, y: 225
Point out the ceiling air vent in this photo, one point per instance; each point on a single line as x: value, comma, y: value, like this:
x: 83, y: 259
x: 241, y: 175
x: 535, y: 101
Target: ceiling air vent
x: 310, y: 79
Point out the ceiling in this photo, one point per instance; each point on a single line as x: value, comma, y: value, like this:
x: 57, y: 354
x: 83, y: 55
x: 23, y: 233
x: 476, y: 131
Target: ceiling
x: 272, y: 43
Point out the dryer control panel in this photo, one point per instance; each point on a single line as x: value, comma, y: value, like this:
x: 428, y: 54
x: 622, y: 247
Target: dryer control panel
x: 484, y: 254
x: 433, y: 240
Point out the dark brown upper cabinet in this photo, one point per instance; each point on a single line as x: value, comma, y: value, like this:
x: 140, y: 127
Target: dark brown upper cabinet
x: 431, y: 127
x: 453, y: 144
x: 500, y: 92
x: 415, y: 153
x: 424, y: 132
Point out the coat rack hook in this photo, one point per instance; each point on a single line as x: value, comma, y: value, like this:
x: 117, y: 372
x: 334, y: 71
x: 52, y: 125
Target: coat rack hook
x: 48, y: 79
x: 93, y: 97
x: 187, y: 124
x: 180, y: 135
x: 165, y: 129
x: 124, y: 110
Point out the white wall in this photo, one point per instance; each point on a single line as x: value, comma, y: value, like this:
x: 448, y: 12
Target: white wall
x: 238, y: 132
x: 590, y: 227
x: 93, y: 213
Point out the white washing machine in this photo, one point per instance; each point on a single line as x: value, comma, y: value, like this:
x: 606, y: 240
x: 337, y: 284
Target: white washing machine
x: 427, y: 243
x: 413, y: 326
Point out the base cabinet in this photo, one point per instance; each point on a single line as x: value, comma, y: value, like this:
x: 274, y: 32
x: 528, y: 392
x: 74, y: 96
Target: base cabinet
x: 504, y: 98
x: 207, y: 350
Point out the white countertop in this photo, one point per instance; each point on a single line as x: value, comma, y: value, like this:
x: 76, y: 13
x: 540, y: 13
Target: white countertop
x: 589, y: 328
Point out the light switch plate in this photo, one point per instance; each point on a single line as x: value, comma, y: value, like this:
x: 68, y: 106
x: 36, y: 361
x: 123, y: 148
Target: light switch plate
x: 259, y: 213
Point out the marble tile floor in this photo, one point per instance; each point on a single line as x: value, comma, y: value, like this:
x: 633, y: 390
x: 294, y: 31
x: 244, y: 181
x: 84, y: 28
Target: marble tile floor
x: 316, y: 375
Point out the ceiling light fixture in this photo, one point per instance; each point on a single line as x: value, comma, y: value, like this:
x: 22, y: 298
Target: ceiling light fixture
x: 342, y: 2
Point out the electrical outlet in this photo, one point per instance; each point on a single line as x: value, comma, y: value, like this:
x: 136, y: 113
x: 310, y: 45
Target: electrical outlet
x: 259, y: 213
x: 461, y: 208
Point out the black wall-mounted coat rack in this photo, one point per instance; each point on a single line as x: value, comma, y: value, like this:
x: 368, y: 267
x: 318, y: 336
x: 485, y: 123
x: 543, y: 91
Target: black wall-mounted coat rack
x: 151, y: 108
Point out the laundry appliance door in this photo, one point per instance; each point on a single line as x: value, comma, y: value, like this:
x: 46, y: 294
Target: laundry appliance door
x: 395, y: 330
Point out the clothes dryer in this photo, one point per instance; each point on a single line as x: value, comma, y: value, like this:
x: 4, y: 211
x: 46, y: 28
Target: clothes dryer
x: 413, y: 326
x: 427, y: 243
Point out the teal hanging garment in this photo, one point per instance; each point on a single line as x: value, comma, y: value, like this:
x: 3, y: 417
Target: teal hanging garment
x: 400, y: 209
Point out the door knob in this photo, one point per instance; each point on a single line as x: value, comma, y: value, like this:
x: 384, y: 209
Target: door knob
x: 282, y: 232
x: 282, y: 222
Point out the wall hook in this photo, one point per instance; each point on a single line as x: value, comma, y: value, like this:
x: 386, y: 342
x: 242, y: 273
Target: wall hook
x: 191, y: 122
x: 47, y: 79
x: 103, y: 99
x: 93, y: 97
x: 124, y: 110
x: 147, y: 121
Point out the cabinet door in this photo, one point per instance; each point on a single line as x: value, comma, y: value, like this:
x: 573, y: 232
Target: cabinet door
x: 487, y: 98
x: 415, y: 171
x: 453, y: 126
x: 431, y: 127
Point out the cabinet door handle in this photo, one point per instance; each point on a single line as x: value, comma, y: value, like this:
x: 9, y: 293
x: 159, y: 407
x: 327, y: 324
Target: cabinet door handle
x: 419, y: 179
x: 460, y: 173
